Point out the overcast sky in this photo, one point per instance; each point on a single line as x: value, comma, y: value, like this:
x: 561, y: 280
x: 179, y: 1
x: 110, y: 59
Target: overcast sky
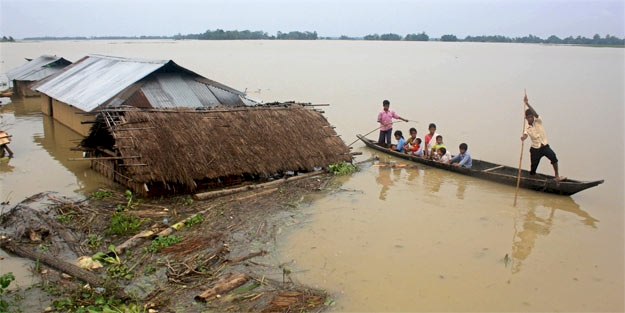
x: 512, y: 18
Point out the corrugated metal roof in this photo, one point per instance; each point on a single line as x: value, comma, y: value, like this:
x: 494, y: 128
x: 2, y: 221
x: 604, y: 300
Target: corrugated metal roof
x: 102, y: 80
x: 95, y: 79
x: 181, y: 95
x: 38, y: 68
x: 224, y: 96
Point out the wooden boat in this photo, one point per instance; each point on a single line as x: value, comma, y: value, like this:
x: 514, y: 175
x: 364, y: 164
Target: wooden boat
x: 497, y: 173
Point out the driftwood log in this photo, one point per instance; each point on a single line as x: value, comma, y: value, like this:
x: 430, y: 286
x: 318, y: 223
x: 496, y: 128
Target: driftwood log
x: 65, y: 267
x: 226, y: 192
x: 224, y: 285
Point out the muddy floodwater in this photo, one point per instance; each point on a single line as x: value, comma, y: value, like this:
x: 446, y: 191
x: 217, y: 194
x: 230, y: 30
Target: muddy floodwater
x: 412, y: 238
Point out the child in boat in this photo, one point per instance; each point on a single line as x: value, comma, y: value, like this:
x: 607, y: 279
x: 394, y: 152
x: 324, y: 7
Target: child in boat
x: 416, y: 148
x: 410, y: 140
x: 400, y: 141
x: 439, y: 144
x: 411, y: 143
x: 443, y: 155
x: 430, y: 140
x: 463, y: 159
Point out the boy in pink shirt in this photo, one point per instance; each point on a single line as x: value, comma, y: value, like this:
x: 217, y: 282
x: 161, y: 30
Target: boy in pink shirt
x: 385, y: 118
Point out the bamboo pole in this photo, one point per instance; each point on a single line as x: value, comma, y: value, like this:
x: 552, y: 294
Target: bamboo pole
x: 365, y: 135
x: 103, y: 158
x: 226, y: 192
x: 518, y: 179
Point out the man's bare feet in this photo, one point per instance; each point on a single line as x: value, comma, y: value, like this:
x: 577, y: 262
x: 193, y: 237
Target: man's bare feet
x: 560, y: 178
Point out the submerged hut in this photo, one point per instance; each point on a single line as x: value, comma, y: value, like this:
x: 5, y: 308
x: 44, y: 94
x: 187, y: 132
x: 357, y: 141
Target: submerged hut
x: 155, y: 152
x: 74, y: 95
x: 34, y: 70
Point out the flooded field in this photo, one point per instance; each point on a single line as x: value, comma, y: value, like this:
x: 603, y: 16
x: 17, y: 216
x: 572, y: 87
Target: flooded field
x: 412, y: 238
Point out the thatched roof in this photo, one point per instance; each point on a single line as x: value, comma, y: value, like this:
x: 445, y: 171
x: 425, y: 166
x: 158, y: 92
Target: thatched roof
x: 185, y: 146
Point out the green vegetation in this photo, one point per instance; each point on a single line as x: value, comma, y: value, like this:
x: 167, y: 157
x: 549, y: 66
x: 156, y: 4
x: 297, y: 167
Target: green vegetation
x: 220, y: 34
x: 102, y: 194
x: 65, y: 218
x: 342, y: 168
x: 449, y: 38
x: 297, y: 35
x: 417, y: 37
x: 91, y: 301
x: 196, y: 219
x: 7, y: 39
x: 186, y: 201
x: 162, y: 242
x: 116, y: 267
x: 94, y: 241
x: 123, y: 224
x: 5, y: 281
x: 596, y: 40
x: 386, y: 37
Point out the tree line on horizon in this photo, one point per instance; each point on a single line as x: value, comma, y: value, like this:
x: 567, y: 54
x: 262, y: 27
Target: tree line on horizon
x: 579, y: 40
x: 220, y: 34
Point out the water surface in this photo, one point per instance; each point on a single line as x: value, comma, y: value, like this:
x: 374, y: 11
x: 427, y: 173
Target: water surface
x: 412, y: 238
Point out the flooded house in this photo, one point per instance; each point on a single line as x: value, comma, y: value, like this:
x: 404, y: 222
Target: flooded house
x: 34, y: 70
x: 157, y: 128
x: 166, y: 151
x: 74, y: 95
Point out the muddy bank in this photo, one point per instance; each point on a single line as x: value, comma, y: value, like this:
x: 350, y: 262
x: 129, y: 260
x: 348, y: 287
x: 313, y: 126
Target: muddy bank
x: 168, y: 255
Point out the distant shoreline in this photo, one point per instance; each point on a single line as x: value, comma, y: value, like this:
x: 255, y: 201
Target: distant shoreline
x: 320, y: 39
x: 219, y: 34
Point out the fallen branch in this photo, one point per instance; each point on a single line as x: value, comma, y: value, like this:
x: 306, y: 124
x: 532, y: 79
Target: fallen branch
x: 226, y: 192
x: 65, y: 267
x: 247, y: 257
x: 224, y: 285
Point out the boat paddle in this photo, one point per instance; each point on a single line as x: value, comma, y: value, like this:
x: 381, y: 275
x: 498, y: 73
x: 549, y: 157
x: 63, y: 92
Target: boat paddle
x: 518, y: 179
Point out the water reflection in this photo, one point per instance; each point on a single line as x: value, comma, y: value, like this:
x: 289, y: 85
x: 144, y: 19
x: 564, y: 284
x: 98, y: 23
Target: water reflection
x: 24, y: 106
x: 5, y: 166
x: 433, y: 178
x: 461, y: 187
x: 384, y: 178
x: 42, y: 148
x: 537, y: 220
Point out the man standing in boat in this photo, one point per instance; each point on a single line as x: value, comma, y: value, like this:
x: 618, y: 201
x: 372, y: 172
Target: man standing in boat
x: 540, y: 147
x: 385, y: 118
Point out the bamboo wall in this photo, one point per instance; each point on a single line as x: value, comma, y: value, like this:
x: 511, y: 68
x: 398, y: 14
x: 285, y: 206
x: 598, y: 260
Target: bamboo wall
x: 108, y: 169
